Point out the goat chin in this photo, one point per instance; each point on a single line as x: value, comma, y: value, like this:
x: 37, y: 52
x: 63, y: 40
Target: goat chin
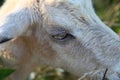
x: 65, y: 34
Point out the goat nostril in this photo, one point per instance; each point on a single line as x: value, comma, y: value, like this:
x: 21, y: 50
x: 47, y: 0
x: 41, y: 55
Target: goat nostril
x: 5, y: 40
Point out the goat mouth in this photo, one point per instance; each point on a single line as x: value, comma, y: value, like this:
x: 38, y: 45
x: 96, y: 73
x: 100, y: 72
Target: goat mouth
x: 5, y: 40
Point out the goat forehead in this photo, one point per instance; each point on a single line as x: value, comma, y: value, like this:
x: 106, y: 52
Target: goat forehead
x: 61, y: 18
x: 72, y: 2
x: 79, y: 4
x: 66, y: 14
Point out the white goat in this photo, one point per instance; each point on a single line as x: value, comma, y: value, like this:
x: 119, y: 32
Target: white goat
x: 60, y: 33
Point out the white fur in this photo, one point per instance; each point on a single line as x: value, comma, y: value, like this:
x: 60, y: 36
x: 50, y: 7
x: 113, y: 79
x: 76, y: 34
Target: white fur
x: 30, y: 24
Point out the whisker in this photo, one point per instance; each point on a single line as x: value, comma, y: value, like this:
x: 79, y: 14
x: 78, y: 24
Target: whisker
x: 104, y: 76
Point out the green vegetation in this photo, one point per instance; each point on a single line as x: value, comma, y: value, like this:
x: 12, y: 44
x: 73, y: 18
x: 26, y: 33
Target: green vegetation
x: 1, y: 2
x: 4, y: 73
x: 108, y: 11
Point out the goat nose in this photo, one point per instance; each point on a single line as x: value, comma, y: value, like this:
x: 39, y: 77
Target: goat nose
x: 3, y: 40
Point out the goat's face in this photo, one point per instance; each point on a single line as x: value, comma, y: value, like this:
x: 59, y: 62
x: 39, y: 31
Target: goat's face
x: 81, y: 41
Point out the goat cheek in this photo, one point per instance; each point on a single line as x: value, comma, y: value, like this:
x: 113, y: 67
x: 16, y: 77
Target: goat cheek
x: 47, y: 52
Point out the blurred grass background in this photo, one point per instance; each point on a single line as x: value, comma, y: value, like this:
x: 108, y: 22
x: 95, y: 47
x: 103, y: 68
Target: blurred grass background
x: 109, y: 12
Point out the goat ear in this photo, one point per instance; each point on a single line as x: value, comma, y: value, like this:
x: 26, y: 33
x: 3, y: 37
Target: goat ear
x: 16, y: 22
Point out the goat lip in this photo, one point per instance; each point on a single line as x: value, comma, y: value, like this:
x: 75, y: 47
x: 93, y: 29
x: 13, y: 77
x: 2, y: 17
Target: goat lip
x: 5, y: 40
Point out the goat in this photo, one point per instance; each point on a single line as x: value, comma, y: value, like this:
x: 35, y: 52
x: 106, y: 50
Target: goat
x: 63, y: 34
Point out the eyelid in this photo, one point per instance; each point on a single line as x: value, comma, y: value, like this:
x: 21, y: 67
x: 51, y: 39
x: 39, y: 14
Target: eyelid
x: 57, y: 31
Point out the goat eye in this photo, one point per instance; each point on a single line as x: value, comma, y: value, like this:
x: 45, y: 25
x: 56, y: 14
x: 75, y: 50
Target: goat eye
x: 61, y: 36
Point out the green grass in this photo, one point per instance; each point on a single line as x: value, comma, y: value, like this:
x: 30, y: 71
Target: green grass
x: 4, y: 73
